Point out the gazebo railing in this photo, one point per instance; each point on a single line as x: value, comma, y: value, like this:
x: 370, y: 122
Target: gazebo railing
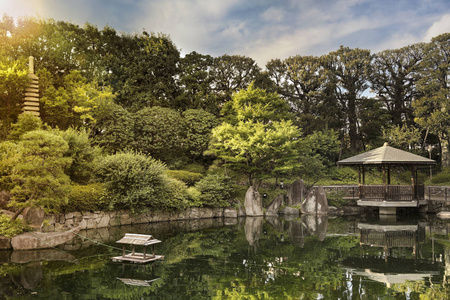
x: 391, y: 192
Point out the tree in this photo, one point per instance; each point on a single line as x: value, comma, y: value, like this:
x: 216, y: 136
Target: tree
x: 113, y: 129
x: 231, y: 73
x: 257, y: 105
x: 303, y: 82
x: 393, y: 78
x: 403, y: 137
x: 199, y: 125
x: 325, y: 144
x: 9, y: 155
x: 195, y: 83
x: 13, y: 81
x: 25, y: 122
x: 38, y: 175
x: 349, y: 69
x: 81, y: 154
x: 73, y: 103
x: 258, y: 141
x: 258, y: 150
x: 143, y: 71
x: 160, y: 133
x: 432, y: 108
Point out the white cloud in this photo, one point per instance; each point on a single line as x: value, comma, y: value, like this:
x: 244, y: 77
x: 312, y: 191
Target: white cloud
x: 193, y: 25
x: 438, y: 27
x: 273, y: 14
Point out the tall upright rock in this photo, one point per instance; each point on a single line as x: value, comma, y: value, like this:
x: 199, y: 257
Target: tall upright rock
x: 253, y: 203
x: 31, y: 98
x: 295, y: 193
x: 316, y: 202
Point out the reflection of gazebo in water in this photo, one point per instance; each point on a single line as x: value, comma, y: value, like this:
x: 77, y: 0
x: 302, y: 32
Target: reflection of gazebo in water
x: 389, y: 196
x: 388, y: 236
x: 389, y: 268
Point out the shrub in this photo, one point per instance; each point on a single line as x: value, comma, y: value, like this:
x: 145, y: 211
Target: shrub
x: 138, y: 182
x: 10, y: 228
x: 442, y: 178
x: 82, y: 154
x: 336, y: 199
x: 194, y: 168
x: 187, y: 177
x: 405, y: 177
x: 215, y: 191
x: 175, y: 195
x: 344, y: 174
x: 25, y: 123
x: 194, y: 196
x: 89, y: 197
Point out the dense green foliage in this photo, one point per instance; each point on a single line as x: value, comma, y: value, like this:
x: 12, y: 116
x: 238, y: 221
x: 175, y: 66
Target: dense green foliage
x: 138, y: 182
x: 89, y: 197
x: 190, y: 178
x: 10, y: 228
x: 215, y: 191
x: 107, y: 93
x: 38, y: 174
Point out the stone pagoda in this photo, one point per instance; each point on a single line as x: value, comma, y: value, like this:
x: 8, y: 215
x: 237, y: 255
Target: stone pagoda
x: 31, y: 98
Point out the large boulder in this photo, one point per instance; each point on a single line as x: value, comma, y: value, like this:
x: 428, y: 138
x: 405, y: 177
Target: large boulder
x: 316, y: 202
x: 41, y: 240
x: 290, y: 211
x: 34, y: 216
x: 274, y: 206
x: 295, y: 193
x: 230, y: 212
x: 5, y: 243
x: 253, y: 203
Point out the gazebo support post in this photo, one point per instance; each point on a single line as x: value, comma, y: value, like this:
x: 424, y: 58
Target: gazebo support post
x: 364, y: 174
x: 413, y: 181
x: 383, y: 167
x: 388, y: 174
x: 359, y: 183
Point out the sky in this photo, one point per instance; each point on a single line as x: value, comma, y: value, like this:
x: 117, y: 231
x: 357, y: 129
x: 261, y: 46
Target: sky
x: 260, y: 29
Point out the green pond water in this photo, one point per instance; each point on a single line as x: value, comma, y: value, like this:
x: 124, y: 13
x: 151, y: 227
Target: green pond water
x: 250, y: 258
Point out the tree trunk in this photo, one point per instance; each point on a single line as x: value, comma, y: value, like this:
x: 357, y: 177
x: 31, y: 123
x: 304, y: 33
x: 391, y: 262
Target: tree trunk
x: 17, y: 213
x: 352, y: 123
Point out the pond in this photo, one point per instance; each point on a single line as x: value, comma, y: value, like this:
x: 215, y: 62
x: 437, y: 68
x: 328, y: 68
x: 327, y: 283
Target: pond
x: 249, y: 258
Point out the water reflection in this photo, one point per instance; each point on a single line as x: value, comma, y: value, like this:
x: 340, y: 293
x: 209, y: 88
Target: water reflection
x: 309, y: 257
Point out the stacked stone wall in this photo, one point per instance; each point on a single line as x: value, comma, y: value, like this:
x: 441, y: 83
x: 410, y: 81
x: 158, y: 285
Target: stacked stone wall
x: 99, y: 219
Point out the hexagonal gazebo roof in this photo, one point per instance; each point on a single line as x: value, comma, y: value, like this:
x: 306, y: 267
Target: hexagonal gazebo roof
x: 386, y: 155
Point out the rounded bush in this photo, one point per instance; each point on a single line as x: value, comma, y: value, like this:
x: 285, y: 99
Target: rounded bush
x: 89, y: 197
x: 215, y: 191
x: 138, y: 182
x: 190, y: 178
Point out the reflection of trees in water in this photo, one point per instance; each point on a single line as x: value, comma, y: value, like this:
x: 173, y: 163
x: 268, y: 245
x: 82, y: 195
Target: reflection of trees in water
x: 272, y: 258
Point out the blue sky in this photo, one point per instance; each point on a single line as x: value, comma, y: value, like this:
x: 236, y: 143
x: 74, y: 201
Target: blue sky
x: 260, y: 29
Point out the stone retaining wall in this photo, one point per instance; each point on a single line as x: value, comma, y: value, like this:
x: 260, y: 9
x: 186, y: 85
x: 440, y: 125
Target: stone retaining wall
x: 100, y: 219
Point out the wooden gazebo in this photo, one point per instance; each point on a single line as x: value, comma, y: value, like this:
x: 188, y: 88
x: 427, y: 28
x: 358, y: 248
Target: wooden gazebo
x: 139, y: 240
x: 389, y: 196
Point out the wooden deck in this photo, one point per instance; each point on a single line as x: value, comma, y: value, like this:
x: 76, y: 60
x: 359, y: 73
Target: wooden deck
x: 137, y: 258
